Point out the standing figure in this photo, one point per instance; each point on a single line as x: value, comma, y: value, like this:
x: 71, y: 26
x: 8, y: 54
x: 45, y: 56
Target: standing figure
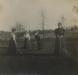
x: 37, y: 38
x: 27, y: 40
x: 59, y: 33
x: 12, y: 43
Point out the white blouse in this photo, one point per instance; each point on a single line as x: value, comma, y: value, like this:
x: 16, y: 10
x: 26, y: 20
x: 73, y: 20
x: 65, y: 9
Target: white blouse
x: 27, y: 36
x: 13, y: 36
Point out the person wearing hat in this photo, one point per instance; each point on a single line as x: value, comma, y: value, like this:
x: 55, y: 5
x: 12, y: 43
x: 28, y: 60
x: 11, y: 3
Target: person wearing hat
x: 59, y: 33
x: 13, y: 42
x: 37, y: 38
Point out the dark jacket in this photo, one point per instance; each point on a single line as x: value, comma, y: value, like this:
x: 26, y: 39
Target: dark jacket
x: 59, y: 43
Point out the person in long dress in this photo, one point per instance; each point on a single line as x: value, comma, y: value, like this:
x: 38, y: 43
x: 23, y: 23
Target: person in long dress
x: 13, y: 43
x: 27, y: 40
x: 38, y: 40
x: 59, y: 44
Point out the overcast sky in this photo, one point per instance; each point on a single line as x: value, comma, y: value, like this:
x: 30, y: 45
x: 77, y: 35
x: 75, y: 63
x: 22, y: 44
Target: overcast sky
x: 28, y: 13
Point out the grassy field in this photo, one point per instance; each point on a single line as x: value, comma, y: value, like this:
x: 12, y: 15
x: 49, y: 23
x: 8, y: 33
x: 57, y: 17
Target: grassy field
x: 40, y: 65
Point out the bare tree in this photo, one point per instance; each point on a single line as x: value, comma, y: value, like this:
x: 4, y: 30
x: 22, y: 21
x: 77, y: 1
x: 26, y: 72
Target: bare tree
x: 43, y: 22
x: 75, y: 8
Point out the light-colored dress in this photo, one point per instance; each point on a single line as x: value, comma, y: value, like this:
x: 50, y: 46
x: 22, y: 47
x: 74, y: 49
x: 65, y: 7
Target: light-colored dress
x: 27, y: 41
x: 12, y: 44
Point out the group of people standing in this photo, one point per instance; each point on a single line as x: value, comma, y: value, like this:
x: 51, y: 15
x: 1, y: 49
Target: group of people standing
x: 12, y: 48
x: 59, y: 33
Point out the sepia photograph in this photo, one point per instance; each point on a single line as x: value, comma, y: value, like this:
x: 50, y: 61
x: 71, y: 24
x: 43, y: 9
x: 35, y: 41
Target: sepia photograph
x: 38, y: 37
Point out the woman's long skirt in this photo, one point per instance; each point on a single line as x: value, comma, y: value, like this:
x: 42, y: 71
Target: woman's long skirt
x: 59, y: 45
x: 12, y: 47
